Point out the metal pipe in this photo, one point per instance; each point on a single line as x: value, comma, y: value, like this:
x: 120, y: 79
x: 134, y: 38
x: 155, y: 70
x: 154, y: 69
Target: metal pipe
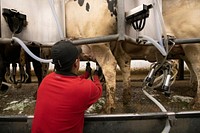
x: 100, y: 39
x: 120, y: 20
x: 82, y: 41
x: 117, y: 117
x: 113, y: 117
x: 130, y: 39
x: 187, y: 41
x: 5, y: 41
x: 96, y: 39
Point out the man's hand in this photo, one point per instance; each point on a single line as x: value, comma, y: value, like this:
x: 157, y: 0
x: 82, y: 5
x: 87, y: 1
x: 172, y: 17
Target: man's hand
x: 88, y: 68
x: 98, y: 72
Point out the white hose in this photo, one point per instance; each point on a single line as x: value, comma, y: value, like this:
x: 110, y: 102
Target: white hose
x: 157, y: 24
x: 155, y: 101
x: 167, y: 124
x: 159, y: 16
x: 51, y: 3
x: 160, y: 79
x: 161, y: 49
x: 167, y: 127
x: 9, y: 85
x: 30, y: 53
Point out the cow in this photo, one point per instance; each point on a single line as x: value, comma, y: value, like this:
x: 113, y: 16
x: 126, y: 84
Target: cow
x: 82, y: 21
x: 12, y: 54
x: 93, y: 18
x: 181, y: 20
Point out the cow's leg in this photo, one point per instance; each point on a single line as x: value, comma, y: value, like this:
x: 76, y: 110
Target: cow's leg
x: 193, y: 77
x: 45, y: 54
x: 36, y: 64
x: 192, y: 60
x: 2, y: 73
x: 14, y: 72
x: 108, y: 64
x: 28, y: 70
x: 38, y: 70
x: 124, y: 61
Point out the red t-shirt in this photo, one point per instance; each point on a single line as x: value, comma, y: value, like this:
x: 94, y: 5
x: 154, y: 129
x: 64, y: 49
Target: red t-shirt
x: 61, y: 102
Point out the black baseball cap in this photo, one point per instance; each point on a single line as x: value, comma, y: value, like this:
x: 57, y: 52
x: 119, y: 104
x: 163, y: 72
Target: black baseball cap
x: 64, y: 54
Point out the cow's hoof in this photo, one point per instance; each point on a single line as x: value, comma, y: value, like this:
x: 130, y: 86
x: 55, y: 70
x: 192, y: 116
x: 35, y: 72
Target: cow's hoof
x: 4, y: 88
x: 196, y: 106
x: 108, y: 109
x: 35, y: 95
x: 18, y: 85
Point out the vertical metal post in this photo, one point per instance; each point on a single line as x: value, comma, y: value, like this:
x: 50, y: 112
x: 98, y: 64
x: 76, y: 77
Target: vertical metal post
x: 181, y: 70
x: 121, y: 20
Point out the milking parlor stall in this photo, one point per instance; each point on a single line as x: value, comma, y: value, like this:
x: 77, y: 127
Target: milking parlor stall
x: 161, y: 95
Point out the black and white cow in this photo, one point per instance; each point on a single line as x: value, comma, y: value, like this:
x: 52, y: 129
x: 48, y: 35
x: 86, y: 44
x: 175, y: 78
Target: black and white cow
x: 10, y: 54
x: 93, y: 18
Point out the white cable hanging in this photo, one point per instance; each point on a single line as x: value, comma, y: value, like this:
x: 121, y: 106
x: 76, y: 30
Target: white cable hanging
x: 51, y: 3
x: 160, y: 28
x: 162, y: 23
x: 167, y: 124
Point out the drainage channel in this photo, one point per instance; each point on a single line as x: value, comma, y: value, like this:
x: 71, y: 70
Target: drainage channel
x: 183, y: 122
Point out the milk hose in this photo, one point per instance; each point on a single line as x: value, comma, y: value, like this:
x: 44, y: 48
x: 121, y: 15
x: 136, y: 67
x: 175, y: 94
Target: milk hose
x: 8, y: 84
x: 160, y: 25
x: 60, y: 32
x: 167, y: 124
x: 161, y: 49
x: 51, y: 3
x: 29, y: 52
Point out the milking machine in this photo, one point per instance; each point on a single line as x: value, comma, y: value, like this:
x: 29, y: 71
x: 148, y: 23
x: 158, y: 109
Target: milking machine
x: 137, y: 17
x: 164, y: 78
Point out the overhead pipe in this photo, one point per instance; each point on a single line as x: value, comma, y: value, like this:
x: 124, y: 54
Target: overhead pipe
x: 96, y: 39
x: 187, y: 41
x: 100, y: 40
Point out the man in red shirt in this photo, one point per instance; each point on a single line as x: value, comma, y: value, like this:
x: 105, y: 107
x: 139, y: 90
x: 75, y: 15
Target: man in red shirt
x: 62, y: 97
